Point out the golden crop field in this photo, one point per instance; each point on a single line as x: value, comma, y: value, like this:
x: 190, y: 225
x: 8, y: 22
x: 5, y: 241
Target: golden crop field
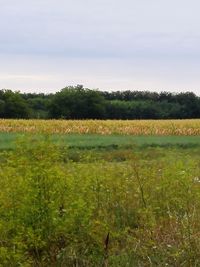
x: 103, y: 127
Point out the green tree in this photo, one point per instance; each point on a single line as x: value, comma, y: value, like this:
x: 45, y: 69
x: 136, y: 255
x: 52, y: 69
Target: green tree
x: 14, y: 105
x: 77, y: 103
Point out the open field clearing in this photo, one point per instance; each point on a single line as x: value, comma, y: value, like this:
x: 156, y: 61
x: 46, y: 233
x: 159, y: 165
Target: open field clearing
x: 104, y: 127
x: 94, y: 141
x: 99, y: 193
x: 57, y: 208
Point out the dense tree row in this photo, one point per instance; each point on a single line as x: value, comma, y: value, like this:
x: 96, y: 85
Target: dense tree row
x: 80, y: 103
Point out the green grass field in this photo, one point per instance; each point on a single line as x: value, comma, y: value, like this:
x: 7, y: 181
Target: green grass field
x: 7, y: 140
x: 91, y: 200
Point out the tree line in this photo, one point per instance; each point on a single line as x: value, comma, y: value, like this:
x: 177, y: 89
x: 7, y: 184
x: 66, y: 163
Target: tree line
x: 77, y: 102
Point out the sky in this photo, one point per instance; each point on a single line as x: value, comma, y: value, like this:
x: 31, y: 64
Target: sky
x: 46, y: 45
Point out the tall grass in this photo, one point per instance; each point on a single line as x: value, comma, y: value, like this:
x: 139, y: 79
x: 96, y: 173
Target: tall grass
x: 94, y: 212
x: 189, y: 127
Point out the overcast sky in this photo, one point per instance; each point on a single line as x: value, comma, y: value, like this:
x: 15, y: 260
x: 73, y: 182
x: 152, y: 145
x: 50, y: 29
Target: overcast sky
x: 153, y: 45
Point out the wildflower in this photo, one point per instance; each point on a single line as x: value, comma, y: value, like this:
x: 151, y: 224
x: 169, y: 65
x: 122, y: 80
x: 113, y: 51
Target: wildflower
x: 196, y: 180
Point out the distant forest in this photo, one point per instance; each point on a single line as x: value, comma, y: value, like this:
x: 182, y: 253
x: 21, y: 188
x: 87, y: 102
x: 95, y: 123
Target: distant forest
x: 77, y: 102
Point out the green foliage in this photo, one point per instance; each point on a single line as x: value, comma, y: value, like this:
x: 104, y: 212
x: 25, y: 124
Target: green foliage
x: 57, y: 209
x: 39, y: 106
x: 12, y: 105
x: 77, y: 102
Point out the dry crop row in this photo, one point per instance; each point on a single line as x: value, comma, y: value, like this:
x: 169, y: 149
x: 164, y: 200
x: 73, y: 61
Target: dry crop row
x: 104, y: 127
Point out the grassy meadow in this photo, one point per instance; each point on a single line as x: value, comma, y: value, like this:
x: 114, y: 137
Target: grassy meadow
x: 99, y: 193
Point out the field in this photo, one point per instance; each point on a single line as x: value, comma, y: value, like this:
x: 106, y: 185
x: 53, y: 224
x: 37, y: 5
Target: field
x: 92, y: 141
x: 107, y: 127
x: 107, y: 194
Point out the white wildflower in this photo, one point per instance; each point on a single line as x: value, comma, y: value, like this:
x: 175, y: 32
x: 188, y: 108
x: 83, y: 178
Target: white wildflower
x: 196, y: 180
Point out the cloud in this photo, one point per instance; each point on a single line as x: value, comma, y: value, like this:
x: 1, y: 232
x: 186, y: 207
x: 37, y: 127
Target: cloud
x: 147, y: 38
